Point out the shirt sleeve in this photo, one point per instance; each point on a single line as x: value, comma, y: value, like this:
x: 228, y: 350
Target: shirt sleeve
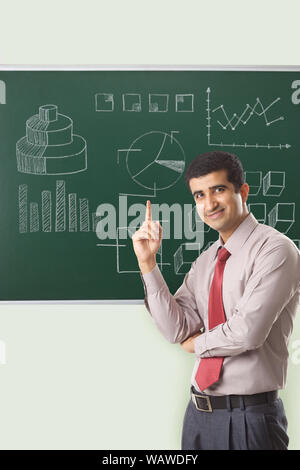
x: 177, y: 316
x: 274, y: 281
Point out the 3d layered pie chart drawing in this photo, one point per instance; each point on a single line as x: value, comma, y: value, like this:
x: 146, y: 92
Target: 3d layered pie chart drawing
x: 155, y: 160
x: 49, y: 146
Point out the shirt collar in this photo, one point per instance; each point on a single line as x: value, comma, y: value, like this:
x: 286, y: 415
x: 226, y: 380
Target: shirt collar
x: 239, y: 236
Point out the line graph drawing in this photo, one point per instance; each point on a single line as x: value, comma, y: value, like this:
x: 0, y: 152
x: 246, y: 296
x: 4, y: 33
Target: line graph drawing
x: 246, y: 115
x: 231, y: 123
x: 155, y: 160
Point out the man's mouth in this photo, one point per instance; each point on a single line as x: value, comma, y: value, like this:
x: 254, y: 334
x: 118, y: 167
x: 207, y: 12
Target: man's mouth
x: 216, y: 214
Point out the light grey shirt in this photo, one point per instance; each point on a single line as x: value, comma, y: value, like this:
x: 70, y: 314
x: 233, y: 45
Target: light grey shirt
x: 261, y: 288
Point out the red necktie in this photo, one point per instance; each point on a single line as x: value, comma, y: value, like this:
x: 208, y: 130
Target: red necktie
x: 210, y: 367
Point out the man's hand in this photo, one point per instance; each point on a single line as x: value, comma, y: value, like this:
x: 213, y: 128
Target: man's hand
x: 188, y: 345
x: 146, y: 242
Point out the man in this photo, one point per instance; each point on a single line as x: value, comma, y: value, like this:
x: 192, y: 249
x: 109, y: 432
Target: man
x: 234, y: 311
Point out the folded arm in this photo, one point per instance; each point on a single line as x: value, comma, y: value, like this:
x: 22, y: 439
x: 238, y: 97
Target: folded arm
x: 274, y: 281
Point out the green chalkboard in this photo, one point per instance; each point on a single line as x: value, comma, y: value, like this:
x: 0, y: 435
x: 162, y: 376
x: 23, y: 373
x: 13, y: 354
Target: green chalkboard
x: 82, y: 150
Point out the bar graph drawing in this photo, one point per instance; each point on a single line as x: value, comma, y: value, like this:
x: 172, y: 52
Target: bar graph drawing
x: 56, y: 211
x: 46, y: 211
x: 2, y: 92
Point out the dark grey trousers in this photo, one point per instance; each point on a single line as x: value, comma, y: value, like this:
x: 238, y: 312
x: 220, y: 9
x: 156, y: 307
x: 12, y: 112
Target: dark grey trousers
x: 259, y: 427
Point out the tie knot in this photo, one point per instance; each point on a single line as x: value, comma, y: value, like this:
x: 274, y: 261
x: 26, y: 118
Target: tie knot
x: 223, y: 255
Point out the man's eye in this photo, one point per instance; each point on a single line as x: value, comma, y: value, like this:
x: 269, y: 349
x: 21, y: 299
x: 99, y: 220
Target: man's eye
x: 219, y: 190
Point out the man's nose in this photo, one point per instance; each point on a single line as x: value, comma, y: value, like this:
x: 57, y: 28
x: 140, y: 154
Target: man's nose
x: 210, y: 204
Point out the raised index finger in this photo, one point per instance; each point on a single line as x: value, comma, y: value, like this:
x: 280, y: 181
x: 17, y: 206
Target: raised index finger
x: 148, y: 217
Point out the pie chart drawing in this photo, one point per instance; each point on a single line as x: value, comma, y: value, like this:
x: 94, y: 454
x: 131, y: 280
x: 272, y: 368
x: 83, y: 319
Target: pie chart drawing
x: 155, y: 160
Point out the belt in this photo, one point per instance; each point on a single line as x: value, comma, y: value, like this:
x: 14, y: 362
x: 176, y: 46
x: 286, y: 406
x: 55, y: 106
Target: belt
x: 208, y: 402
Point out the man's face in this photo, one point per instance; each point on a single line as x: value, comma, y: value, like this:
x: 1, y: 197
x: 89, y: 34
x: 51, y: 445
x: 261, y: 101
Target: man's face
x: 218, y: 205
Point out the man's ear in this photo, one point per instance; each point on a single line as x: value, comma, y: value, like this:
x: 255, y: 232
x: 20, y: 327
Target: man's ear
x: 244, y: 191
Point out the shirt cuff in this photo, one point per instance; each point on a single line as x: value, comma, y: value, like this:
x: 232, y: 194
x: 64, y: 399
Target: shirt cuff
x: 200, y: 346
x: 153, y: 281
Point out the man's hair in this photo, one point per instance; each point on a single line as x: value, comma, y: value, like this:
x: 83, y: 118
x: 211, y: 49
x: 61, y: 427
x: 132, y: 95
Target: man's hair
x: 215, y: 161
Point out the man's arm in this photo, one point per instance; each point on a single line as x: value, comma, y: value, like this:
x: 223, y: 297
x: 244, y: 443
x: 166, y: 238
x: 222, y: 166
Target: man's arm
x: 274, y: 281
x: 146, y: 242
x: 177, y: 316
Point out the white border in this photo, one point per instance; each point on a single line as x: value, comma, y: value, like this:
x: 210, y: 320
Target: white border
x: 208, y: 68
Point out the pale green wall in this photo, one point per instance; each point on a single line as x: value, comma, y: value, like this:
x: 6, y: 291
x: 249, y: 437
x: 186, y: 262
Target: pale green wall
x: 96, y: 376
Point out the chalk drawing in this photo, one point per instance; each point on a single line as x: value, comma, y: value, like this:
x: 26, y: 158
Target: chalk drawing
x: 50, y: 147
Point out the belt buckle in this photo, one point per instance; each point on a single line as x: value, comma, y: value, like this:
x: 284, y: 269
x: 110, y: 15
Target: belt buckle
x: 205, y: 397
